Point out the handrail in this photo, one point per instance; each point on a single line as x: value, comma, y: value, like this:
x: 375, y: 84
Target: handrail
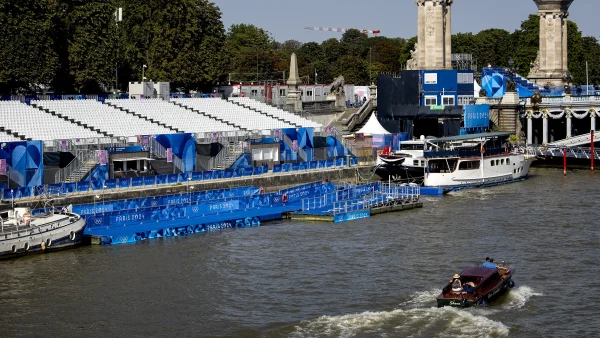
x: 359, y: 116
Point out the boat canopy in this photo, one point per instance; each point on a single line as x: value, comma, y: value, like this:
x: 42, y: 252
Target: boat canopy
x: 469, y: 137
x: 477, y: 272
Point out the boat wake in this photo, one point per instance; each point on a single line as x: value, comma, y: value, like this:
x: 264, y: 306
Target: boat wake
x: 418, y: 317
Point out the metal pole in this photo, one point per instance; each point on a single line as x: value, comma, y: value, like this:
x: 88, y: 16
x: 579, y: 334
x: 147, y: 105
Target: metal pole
x: 587, y: 79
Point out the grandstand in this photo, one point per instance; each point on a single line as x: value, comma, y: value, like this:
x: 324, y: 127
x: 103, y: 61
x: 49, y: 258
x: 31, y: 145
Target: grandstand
x: 49, y: 120
x: 275, y: 112
x: 32, y: 123
x: 172, y: 115
x: 101, y: 116
x: 241, y: 117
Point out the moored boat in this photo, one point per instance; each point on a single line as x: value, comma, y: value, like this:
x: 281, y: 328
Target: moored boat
x: 486, y: 285
x: 477, y: 160
x: 22, y: 232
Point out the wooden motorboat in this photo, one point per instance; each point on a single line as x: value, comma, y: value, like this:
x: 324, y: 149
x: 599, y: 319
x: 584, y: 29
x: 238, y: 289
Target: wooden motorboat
x: 487, y: 285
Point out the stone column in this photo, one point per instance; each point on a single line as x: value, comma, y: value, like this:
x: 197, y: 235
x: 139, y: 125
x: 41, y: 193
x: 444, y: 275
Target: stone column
x: 529, y: 127
x: 434, y: 34
x: 545, y: 128
x: 553, y: 55
x: 568, y: 124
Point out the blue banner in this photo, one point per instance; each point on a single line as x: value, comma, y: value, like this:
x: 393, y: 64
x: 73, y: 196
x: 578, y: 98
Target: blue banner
x: 248, y: 171
x: 149, y: 180
x: 137, y: 181
x: 197, y: 176
x: 313, y: 164
x: 124, y: 183
x: 83, y: 186
x: 172, y: 178
x: 207, y: 175
x: 217, y: 174
x: 277, y: 168
x: 69, y: 187
x: 97, y: 185
x: 228, y: 173
x: 161, y: 179
x: 352, y: 216
x: 477, y: 116
x: 110, y: 184
x: 287, y: 167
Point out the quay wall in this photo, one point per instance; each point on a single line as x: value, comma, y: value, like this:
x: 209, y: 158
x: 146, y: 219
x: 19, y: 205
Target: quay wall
x: 270, y: 183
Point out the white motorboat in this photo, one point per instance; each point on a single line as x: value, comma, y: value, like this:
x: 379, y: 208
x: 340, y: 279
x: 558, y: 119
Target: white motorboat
x: 22, y: 232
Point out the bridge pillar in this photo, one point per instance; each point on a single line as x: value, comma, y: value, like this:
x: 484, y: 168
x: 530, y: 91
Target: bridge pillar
x: 529, y: 128
x: 545, y: 130
x: 568, y: 124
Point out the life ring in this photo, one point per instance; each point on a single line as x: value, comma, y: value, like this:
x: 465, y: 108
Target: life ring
x: 72, y: 235
x: 262, y: 190
x: 506, y: 150
x: 284, y: 198
x: 482, y: 149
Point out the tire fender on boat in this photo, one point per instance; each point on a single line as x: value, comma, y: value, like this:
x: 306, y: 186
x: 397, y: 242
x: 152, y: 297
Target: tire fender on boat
x: 48, y: 242
x: 14, y: 248
x: 26, y: 246
x: 511, y: 284
x: 72, y: 235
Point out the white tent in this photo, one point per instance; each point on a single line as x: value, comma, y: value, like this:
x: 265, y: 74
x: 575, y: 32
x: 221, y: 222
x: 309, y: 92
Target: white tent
x: 373, y: 127
x: 477, y: 88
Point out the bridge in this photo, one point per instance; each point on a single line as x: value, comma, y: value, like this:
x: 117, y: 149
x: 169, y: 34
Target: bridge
x: 563, y: 121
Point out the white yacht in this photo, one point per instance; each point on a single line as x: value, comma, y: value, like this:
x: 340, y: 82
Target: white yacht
x: 476, y: 160
x: 22, y: 232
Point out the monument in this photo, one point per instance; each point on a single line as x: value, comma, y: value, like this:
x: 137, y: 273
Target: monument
x: 294, y: 97
x: 337, y: 93
x: 551, y: 64
x: 434, y: 47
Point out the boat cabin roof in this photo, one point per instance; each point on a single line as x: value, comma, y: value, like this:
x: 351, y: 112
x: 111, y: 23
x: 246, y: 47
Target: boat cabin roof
x: 479, y: 272
x: 469, y: 137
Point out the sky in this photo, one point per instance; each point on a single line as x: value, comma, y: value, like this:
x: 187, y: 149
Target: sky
x: 286, y: 19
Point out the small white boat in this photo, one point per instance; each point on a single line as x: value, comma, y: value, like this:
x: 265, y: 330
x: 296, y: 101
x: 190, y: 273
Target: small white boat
x: 23, y: 233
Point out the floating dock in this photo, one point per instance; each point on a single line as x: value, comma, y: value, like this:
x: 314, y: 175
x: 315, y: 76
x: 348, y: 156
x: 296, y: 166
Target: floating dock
x: 359, y: 202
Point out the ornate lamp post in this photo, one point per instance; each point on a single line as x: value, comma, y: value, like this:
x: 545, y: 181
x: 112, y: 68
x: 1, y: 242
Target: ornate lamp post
x: 567, y: 80
x: 511, y: 87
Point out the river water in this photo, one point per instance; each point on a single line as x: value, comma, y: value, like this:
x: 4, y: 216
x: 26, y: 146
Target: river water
x: 368, y: 278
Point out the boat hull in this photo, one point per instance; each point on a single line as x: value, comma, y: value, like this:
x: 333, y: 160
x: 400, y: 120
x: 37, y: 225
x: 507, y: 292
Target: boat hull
x: 480, y: 300
x: 62, y: 238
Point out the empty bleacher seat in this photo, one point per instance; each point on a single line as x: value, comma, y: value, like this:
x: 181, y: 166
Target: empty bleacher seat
x: 233, y: 113
x: 173, y: 115
x: 104, y: 117
x: 276, y: 112
x: 36, y: 124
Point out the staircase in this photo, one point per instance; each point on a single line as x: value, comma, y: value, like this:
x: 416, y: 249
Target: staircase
x: 79, y: 168
x: 228, y: 155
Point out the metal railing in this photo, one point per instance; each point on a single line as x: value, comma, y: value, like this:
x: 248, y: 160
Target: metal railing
x: 82, y: 157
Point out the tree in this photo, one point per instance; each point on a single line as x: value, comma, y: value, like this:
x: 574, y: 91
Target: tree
x: 576, y: 53
x: 386, y: 53
x: 591, y: 50
x: 406, y: 49
x: 92, y: 45
x: 27, y: 55
x: 354, y: 69
x: 526, y: 44
x: 493, y: 46
x: 249, y: 51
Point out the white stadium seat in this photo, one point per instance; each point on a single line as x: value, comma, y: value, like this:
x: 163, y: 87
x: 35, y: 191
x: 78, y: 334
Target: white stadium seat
x: 36, y: 124
x: 276, y: 112
x: 173, y: 115
x: 240, y: 116
x: 104, y: 117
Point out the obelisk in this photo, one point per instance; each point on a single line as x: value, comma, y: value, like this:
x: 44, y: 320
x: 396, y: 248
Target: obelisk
x: 434, y: 34
x: 293, y: 98
x: 551, y: 65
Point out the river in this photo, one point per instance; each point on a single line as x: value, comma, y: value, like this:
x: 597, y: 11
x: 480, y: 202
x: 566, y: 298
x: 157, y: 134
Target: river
x: 376, y: 277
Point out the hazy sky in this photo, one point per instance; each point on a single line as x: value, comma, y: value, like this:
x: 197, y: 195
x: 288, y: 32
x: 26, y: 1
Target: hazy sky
x: 286, y: 19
